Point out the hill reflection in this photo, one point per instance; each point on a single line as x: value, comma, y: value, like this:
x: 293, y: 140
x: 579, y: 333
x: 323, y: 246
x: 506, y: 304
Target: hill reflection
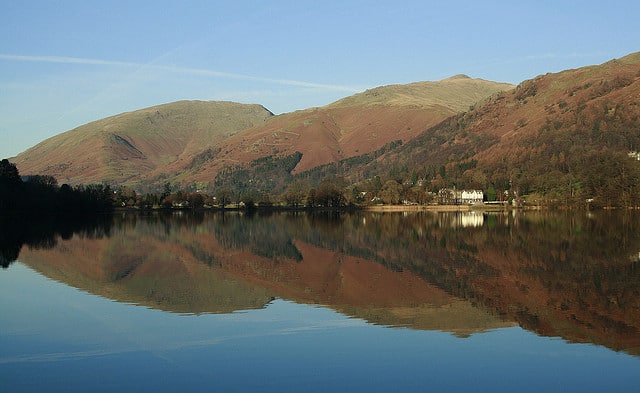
x: 576, y: 276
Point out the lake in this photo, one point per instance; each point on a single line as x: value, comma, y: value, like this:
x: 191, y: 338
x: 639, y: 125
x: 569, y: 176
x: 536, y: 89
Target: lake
x: 321, y: 302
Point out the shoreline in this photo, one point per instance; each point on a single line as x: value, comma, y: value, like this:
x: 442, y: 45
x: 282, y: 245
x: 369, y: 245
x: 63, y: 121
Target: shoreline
x: 433, y: 208
x: 373, y: 208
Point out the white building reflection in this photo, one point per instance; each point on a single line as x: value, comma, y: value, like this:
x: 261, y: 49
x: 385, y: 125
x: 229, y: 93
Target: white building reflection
x: 471, y: 219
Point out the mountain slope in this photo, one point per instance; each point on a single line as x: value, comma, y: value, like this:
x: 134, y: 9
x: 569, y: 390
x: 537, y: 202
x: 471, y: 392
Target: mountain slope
x: 133, y: 145
x: 563, y: 136
x: 357, y: 124
x: 189, y: 141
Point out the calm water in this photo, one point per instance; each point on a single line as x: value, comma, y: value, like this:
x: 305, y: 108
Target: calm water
x: 297, y: 302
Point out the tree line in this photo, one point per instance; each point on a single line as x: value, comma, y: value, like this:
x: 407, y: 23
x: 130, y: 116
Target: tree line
x: 572, y: 171
x: 41, y: 193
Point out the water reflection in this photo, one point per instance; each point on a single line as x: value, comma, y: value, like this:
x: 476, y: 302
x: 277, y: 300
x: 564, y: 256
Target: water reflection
x: 44, y: 232
x: 558, y: 274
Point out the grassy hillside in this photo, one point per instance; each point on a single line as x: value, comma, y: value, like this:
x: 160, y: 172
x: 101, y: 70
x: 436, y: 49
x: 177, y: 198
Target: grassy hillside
x: 352, y: 127
x: 190, y: 142
x: 456, y: 94
x: 360, y: 123
x: 132, y: 146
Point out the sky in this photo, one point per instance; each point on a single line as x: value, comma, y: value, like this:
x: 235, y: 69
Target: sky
x: 67, y: 63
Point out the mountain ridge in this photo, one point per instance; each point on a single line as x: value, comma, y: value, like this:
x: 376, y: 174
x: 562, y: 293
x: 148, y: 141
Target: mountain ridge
x: 149, y: 147
x: 536, y: 138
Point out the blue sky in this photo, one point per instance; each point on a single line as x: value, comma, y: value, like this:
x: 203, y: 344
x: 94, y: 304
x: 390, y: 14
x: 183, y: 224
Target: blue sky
x: 66, y: 63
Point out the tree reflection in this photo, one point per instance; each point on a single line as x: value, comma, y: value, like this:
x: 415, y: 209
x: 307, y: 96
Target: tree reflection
x: 43, y: 232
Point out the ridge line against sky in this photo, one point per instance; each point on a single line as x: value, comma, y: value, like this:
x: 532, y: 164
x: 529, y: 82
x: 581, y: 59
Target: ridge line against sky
x: 64, y: 64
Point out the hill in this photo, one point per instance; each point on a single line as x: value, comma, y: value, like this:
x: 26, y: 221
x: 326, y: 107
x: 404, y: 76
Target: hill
x: 559, y: 138
x: 189, y: 143
x: 355, y: 125
x: 128, y: 147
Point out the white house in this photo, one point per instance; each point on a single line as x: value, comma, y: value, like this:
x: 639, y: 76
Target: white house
x: 470, y: 197
x: 448, y: 196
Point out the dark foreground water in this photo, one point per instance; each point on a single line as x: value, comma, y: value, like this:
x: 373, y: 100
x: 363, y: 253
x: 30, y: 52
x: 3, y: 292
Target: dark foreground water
x: 295, y: 302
